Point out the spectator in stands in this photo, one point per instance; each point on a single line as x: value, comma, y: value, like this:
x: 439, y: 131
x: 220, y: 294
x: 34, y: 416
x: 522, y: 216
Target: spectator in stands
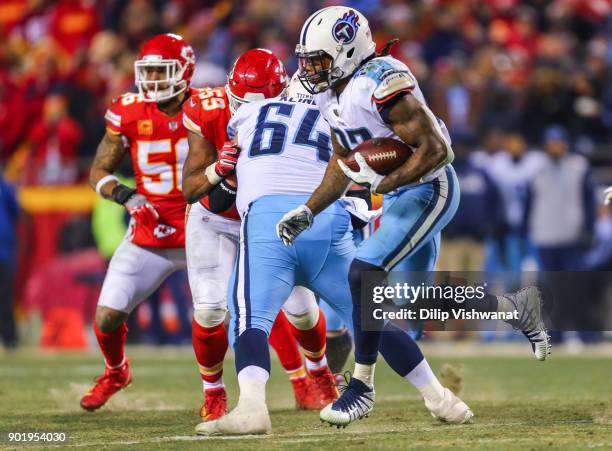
x: 8, y: 218
x: 560, y: 218
x: 54, y: 144
x: 479, y: 215
x: 511, y: 169
x: 560, y: 208
x: 491, y: 143
x: 599, y: 256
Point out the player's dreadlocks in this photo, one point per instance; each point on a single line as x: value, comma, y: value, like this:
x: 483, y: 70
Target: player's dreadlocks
x: 387, y: 48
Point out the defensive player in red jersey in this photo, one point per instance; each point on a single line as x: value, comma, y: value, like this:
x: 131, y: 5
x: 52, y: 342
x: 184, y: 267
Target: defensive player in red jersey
x: 257, y: 74
x: 149, y: 125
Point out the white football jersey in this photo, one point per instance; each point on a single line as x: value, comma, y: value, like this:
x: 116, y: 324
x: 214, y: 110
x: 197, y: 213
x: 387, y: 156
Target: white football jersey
x: 354, y: 115
x: 286, y: 146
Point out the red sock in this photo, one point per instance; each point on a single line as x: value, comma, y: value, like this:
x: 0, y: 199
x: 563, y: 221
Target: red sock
x: 210, y: 345
x: 112, y: 344
x: 281, y: 339
x: 312, y: 342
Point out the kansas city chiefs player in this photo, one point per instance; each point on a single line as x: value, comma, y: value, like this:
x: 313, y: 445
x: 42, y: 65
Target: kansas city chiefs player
x: 149, y: 125
x: 208, y: 171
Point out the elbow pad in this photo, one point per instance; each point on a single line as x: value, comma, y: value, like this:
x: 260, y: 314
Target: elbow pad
x: 221, y: 198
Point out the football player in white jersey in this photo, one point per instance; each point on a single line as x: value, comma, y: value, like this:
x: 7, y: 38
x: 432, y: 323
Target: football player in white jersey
x: 284, y: 149
x: 285, y: 146
x: 362, y: 96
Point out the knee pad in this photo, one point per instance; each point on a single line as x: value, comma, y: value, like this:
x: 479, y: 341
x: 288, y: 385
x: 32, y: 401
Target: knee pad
x: 301, y: 308
x: 305, y: 321
x: 209, y: 318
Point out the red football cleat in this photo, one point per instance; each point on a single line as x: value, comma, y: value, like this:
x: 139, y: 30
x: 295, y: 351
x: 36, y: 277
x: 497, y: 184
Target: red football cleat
x: 324, y: 380
x: 215, y: 404
x: 306, y: 394
x: 106, y: 386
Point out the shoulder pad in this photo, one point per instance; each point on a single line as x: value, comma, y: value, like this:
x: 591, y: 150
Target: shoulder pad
x: 389, y: 78
x: 127, y: 99
x: 121, y: 111
x: 126, y: 105
x: 393, y: 81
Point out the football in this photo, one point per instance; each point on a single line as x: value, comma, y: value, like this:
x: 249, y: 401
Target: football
x: 384, y: 155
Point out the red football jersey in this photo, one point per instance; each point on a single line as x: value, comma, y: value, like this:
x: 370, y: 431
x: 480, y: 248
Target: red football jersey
x: 207, y: 114
x: 158, y: 146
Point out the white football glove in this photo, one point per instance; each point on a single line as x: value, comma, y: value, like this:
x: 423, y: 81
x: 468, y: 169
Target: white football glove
x: 294, y: 223
x: 366, y: 175
x: 608, y: 195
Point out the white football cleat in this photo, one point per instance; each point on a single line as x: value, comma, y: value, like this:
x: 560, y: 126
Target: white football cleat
x: 449, y: 409
x: 247, y: 418
x: 355, y: 402
x: 528, y: 303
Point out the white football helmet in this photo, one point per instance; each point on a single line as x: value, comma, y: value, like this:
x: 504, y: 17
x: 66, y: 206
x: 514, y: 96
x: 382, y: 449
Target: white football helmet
x: 336, y: 33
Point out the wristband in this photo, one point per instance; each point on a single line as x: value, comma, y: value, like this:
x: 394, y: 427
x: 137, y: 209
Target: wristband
x: 122, y: 193
x: 213, y: 177
x: 103, y: 181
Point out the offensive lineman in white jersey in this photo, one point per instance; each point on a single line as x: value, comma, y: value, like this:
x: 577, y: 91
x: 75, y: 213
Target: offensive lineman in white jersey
x: 284, y: 149
x: 363, y: 96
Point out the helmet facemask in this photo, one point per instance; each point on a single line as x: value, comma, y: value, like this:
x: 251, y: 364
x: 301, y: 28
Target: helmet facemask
x: 151, y: 90
x: 235, y: 102
x: 316, y: 70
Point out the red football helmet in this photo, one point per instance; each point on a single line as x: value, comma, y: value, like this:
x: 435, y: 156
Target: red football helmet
x: 257, y: 74
x: 170, y: 53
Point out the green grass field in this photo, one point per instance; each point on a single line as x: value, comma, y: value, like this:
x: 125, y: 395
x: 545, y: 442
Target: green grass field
x: 519, y: 404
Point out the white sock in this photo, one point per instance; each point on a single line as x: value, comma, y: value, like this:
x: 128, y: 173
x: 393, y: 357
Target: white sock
x: 216, y: 384
x: 252, y: 381
x: 425, y: 381
x: 312, y: 365
x: 365, y: 373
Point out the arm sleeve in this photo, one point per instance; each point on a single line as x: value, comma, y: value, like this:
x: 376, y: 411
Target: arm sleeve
x: 221, y: 198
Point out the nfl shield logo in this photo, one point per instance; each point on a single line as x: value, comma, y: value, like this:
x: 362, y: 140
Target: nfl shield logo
x: 173, y: 125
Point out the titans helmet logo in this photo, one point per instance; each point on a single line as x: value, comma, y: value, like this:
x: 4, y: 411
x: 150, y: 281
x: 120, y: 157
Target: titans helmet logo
x: 345, y: 28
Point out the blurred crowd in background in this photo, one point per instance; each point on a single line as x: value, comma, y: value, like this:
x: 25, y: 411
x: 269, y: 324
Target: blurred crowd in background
x: 525, y: 87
